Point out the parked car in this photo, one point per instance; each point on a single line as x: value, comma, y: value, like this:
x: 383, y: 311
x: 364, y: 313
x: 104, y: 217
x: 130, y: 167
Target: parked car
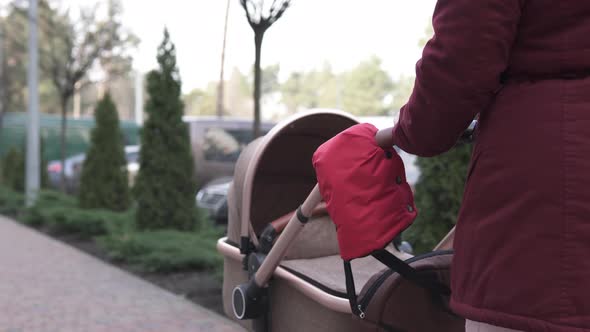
x: 213, y: 195
x: 132, y: 156
x: 213, y: 198
x: 73, y: 169
x: 216, y: 144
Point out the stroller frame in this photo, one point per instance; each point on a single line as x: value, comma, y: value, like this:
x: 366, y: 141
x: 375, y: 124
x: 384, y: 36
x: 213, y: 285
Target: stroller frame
x: 250, y: 300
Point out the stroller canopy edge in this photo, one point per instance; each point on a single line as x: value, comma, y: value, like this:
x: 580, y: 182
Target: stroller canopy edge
x: 284, y: 133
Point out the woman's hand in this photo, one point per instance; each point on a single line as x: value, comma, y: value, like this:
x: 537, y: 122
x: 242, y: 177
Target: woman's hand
x: 384, y: 138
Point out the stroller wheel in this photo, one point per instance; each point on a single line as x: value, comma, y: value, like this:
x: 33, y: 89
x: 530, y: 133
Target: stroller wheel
x: 239, y: 303
x: 249, y: 300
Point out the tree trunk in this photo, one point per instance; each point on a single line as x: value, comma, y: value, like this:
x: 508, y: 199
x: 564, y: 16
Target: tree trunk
x: 62, y: 143
x: 1, y: 111
x: 220, y: 84
x: 258, y: 35
x: 1, y: 120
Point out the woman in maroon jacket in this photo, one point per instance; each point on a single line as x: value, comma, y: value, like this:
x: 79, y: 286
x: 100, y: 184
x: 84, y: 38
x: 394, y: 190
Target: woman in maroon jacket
x: 522, y: 242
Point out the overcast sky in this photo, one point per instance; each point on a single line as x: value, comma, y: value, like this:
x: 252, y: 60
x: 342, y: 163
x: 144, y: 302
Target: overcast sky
x: 311, y: 32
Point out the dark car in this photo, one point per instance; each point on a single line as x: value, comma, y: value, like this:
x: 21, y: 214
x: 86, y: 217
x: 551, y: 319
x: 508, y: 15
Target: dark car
x: 213, y: 198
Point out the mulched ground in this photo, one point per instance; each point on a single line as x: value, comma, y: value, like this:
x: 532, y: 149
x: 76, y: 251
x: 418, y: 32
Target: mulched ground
x: 200, y: 287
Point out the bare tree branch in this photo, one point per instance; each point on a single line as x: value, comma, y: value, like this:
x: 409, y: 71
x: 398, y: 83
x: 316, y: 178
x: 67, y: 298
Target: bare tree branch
x: 255, y: 13
x: 259, y: 25
x: 70, y: 47
x: 278, y: 11
x: 244, y: 4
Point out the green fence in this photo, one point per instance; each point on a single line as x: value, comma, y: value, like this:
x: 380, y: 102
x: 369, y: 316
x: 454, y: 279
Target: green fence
x: 13, y: 134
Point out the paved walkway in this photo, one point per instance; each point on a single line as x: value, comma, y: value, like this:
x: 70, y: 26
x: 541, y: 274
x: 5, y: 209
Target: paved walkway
x: 48, y: 286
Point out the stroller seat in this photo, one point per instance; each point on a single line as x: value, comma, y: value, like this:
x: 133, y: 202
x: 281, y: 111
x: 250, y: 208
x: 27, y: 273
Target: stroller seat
x: 315, y: 258
x: 327, y: 274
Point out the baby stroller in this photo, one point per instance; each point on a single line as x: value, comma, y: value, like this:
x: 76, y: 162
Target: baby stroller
x: 281, y: 276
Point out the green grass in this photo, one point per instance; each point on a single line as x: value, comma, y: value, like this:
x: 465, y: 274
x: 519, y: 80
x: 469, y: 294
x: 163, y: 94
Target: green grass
x: 11, y: 202
x: 68, y: 220
x: 164, y: 250
x: 59, y: 213
x: 49, y: 203
x: 116, y: 234
x: 52, y: 198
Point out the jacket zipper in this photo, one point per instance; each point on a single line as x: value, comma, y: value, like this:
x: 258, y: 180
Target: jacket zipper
x: 375, y: 286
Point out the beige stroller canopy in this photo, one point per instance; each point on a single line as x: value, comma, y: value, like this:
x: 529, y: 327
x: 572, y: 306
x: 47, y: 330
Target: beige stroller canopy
x: 274, y: 174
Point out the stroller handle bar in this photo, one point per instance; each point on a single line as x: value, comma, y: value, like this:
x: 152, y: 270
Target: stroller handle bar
x: 249, y: 299
x: 290, y: 232
x: 384, y: 137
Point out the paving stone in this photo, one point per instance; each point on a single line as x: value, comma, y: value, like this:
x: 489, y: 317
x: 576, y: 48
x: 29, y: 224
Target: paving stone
x: 48, y: 286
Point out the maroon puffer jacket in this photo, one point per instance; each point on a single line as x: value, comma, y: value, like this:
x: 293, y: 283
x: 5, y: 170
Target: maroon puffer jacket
x: 523, y: 239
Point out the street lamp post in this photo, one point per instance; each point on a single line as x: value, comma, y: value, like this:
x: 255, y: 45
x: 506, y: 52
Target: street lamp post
x: 138, y: 98
x: 33, y: 163
x: 2, y: 78
x: 220, y: 84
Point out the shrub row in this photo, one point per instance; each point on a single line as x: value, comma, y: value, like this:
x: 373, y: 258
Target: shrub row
x: 59, y: 213
x: 163, y: 250
x: 117, y: 235
x: 71, y: 220
x: 11, y: 202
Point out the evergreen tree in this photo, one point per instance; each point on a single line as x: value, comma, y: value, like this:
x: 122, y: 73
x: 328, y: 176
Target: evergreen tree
x: 165, y: 187
x: 104, y: 183
x: 13, y: 170
x: 366, y: 87
x: 438, y: 196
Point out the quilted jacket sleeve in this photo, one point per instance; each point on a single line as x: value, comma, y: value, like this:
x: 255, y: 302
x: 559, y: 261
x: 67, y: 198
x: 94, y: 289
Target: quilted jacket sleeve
x: 459, y: 72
